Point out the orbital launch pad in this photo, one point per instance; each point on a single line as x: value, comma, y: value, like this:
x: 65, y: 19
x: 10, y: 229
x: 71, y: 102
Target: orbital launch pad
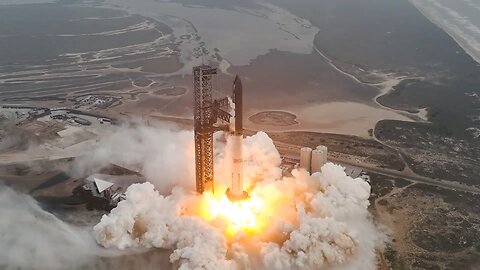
x: 207, y: 112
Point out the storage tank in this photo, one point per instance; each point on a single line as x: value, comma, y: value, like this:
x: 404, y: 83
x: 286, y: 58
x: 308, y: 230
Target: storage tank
x: 306, y: 158
x: 319, y: 158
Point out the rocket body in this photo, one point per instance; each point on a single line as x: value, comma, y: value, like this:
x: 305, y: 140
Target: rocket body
x: 236, y: 185
x: 238, y: 101
x: 236, y: 192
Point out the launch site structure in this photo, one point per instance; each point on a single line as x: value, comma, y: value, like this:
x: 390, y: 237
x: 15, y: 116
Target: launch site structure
x: 236, y: 192
x: 207, y: 111
x: 312, y: 160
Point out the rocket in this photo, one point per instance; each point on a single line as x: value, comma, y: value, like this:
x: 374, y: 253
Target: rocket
x: 236, y: 192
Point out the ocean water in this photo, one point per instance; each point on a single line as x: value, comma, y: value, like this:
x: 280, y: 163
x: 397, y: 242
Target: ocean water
x: 459, y: 18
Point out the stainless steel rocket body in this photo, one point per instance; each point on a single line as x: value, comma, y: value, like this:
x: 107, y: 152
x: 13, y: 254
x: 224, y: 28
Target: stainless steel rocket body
x: 236, y: 192
x: 236, y: 185
x: 238, y: 101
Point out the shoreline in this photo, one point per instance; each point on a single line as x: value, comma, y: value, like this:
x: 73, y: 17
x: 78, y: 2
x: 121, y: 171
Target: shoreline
x: 389, y: 81
x: 459, y: 40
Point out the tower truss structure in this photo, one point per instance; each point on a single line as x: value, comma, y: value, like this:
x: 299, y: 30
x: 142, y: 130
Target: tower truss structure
x: 206, y: 113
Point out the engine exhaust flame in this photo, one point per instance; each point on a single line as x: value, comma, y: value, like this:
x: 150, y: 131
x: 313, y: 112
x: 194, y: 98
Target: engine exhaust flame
x: 236, y: 217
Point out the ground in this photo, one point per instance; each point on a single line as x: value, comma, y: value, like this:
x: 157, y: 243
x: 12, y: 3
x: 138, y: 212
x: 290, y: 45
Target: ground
x: 429, y: 227
x: 274, y: 118
x: 432, y: 151
x: 356, y: 149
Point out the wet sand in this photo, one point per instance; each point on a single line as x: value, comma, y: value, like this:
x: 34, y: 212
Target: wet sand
x: 335, y: 117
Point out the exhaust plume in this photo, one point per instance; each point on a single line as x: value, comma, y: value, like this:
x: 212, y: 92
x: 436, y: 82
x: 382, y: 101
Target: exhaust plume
x: 317, y: 221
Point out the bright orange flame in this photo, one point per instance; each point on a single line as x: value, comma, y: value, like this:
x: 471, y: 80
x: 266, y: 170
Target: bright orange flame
x: 235, y: 217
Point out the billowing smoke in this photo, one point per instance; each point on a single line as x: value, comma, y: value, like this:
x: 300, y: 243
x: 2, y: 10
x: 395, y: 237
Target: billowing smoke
x: 31, y: 238
x: 261, y: 160
x: 317, y: 221
x: 163, y: 154
x: 148, y: 219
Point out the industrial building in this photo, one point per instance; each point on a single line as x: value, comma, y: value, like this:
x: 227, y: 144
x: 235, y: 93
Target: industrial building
x: 99, y: 194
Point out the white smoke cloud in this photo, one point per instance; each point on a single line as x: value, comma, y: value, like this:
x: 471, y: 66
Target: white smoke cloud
x: 316, y: 222
x: 148, y: 219
x: 31, y: 238
x: 260, y: 158
x: 166, y: 156
x: 317, y: 242
x: 162, y: 153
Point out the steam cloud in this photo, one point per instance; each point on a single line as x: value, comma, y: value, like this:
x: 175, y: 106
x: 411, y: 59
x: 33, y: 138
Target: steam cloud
x: 32, y: 238
x: 162, y: 153
x: 317, y: 221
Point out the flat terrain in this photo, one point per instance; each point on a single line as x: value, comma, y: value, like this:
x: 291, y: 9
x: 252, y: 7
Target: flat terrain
x: 433, y: 152
x: 81, y: 51
x: 274, y: 118
x: 430, y: 228
x: 356, y: 149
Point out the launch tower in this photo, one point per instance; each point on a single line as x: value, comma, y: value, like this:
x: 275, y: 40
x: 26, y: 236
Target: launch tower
x: 207, y: 111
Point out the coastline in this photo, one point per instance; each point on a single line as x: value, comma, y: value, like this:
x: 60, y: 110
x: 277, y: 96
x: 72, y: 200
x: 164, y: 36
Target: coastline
x: 384, y: 87
x: 459, y: 39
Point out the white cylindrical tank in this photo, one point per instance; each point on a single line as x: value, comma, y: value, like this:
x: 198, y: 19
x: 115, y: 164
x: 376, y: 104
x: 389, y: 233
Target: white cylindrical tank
x: 236, y: 192
x: 237, y: 170
x: 324, y: 150
x: 319, y: 158
x: 306, y: 158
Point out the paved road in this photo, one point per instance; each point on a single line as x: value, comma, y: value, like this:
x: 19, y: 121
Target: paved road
x: 293, y: 152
